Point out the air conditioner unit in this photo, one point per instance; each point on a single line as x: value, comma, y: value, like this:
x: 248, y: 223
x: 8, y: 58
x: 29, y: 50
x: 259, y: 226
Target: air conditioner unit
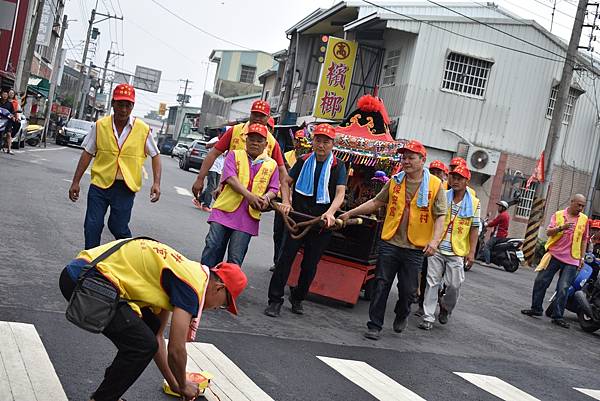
x: 482, y: 160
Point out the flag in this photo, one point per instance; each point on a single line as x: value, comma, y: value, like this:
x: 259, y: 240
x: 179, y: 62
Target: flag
x: 538, y: 173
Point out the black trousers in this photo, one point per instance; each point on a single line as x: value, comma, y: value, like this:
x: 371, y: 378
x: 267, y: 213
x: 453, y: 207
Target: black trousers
x: 423, y: 282
x: 314, y: 244
x: 135, y: 340
x: 278, y: 236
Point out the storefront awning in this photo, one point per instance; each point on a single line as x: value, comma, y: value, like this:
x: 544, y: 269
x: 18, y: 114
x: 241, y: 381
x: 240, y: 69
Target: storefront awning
x: 39, y: 86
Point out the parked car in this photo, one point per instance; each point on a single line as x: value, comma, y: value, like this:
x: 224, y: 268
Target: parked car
x: 179, y: 150
x: 194, y: 156
x: 74, y: 132
x: 166, y: 145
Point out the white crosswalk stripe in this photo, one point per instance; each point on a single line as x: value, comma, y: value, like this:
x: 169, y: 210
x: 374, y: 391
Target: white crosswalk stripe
x: 371, y: 380
x: 26, y: 372
x: 595, y: 394
x: 183, y: 191
x: 497, y: 387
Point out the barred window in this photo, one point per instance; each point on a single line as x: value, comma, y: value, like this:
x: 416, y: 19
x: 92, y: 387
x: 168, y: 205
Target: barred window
x: 391, y: 67
x: 526, y: 201
x: 466, y: 75
x: 247, y: 74
x: 569, y: 106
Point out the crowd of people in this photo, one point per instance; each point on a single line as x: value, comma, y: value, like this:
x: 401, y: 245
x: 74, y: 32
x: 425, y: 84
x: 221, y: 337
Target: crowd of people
x: 10, y: 103
x: 431, y: 226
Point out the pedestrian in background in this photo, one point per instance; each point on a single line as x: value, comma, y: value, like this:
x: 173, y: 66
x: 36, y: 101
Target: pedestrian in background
x: 6, y: 104
x: 17, y: 114
x: 414, y: 222
x: 119, y: 145
x: 568, y: 234
x: 500, y: 225
x: 213, y: 178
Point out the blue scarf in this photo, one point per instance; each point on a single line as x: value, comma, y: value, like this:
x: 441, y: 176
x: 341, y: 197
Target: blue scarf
x: 305, y: 183
x: 422, y: 199
x: 466, y: 210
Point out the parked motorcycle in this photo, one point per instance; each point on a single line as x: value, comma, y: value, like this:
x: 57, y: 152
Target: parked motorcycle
x: 33, y: 135
x: 588, y: 297
x: 506, y: 252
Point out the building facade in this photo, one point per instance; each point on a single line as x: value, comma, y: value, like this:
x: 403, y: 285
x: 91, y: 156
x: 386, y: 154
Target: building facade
x: 238, y: 71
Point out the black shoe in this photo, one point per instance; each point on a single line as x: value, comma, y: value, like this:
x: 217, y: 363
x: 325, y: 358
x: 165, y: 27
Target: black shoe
x: 425, y: 325
x: 297, y: 307
x: 443, y: 316
x: 400, y: 324
x: 561, y: 323
x: 372, y: 334
x: 272, y: 268
x: 273, y: 310
x: 531, y: 312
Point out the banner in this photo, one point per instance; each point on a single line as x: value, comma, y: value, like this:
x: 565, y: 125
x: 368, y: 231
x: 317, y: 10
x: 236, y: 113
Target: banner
x: 538, y: 173
x: 336, y: 75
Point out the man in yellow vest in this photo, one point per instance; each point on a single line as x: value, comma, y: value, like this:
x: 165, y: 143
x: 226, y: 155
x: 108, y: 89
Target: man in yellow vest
x: 251, y: 181
x: 413, y: 227
x: 568, y: 234
x: 163, y: 282
x: 455, y: 250
x: 235, y: 139
x: 119, y: 145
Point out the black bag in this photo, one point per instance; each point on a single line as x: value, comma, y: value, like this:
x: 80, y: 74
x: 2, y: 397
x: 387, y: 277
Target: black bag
x: 95, y: 299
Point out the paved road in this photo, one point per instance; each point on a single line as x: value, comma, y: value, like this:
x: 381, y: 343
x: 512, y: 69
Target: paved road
x: 40, y: 230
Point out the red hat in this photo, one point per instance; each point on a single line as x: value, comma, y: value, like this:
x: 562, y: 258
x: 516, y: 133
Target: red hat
x: 258, y: 128
x: 415, y: 146
x: 271, y: 122
x: 262, y: 107
x: 299, y: 134
x: 439, y: 165
x: 458, y: 161
x: 463, y: 171
x: 235, y: 281
x: 324, y: 129
x: 124, y: 92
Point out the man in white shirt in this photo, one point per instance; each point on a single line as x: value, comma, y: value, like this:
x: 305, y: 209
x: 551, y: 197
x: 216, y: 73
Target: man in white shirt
x: 119, y: 145
x: 213, y: 177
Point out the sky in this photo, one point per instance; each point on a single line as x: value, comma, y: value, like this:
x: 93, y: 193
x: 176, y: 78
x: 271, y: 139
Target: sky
x: 151, y: 37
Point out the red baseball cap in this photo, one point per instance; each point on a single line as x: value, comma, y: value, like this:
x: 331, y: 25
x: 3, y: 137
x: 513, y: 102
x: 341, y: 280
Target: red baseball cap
x: 262, y: 107
x: 124, y: 92
x: 439, y: 165
x: 258, y: 128
x: 234, y: 279
x: 324, y: 129
x: 299, y: 134
x: 463, y: 171
x: 415, y: 146
x: 271, y: 122
x: 458, y: 161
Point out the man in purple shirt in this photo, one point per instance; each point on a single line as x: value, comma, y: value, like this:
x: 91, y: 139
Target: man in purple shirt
x: 250, y: 180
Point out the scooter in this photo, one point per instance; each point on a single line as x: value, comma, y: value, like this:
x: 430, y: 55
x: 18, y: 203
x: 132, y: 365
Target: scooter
x: 5, y: 123
x: 34, y: 134
x: 506, y: 252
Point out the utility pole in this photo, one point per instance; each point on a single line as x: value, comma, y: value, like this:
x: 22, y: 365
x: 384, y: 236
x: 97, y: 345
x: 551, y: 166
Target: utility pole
x: 54, y: 79
x: 290, y: 67
x: 22, y: 80
x: 80, y: 103
x: 183, y: 100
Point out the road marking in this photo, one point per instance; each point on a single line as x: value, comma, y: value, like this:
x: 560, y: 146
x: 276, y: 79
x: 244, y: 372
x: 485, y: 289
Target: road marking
x: 65, y: 180
x: 144, y: 173
x: 497, y: 387
x: 595, y: 394
x: 230, y: 383
x: 26, y: 372
x: 46, y: 149
x: 183, y: 191
x: 371, y: 380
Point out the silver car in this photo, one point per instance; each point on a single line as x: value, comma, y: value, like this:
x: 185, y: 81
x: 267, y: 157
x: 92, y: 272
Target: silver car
x: 74, y: 132
x: 179, y: 150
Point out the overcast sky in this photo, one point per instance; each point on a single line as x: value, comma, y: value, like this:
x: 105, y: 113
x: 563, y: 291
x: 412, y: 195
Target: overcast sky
x: 149, y: 36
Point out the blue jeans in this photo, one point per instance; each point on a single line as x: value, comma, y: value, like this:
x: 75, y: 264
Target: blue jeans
x: 543, y: 280
x: 221, y: 238
x: 120, y: 199
x: 394, y: 261
x: 212, y: 182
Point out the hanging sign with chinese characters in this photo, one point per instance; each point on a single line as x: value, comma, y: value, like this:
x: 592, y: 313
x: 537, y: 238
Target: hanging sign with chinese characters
x: 336, y: 75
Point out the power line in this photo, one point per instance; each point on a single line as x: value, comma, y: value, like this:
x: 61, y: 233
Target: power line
x: 526, y: 10
x: 198, y: 28
x: 555, y: 9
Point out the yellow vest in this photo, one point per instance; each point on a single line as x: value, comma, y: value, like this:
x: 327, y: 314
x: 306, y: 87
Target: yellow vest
x: 577, y: 233
x: 238, y: 139
x: 229, y: 200
x: 420, y: 220
x: 137, y: 267
x: 290, y: 157
x: 129, y: 158
x: 461, y: 227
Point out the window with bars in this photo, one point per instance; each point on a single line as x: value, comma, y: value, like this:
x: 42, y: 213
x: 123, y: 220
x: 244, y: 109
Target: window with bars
x: 569, y: 106
x: 247, y: 74
x: 526, y: 201
x: 466, y: 75
x: 391, y: 67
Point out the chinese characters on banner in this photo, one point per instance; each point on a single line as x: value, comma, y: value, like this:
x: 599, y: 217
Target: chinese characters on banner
x: 334, y: 83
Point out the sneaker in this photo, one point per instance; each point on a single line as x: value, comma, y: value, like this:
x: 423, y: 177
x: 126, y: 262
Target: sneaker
x: 206, y: 209
x: 425, y: 325
x: 273, y: 310
x: 561, y: 323
x: 400, y: 324
x: 420, y: 312
x: 443, y: 315
x: 372, y: 334
x: 531, y: 312
x: 297, y: 307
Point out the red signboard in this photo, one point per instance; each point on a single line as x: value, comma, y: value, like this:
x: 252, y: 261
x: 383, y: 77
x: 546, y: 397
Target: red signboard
x: 11, y: 38
x: 61, y: 110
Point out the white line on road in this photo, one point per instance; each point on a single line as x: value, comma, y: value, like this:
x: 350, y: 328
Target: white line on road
x: 497, y: 387
x: 46, y: 149
x: 595, y: 394
x: 371, y: 380
x: 183, y: 191
x: 144, y: 173
x: 65, y: 180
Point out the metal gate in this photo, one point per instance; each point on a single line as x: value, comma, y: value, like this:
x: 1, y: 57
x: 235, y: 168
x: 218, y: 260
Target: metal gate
x: 367, y: 70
